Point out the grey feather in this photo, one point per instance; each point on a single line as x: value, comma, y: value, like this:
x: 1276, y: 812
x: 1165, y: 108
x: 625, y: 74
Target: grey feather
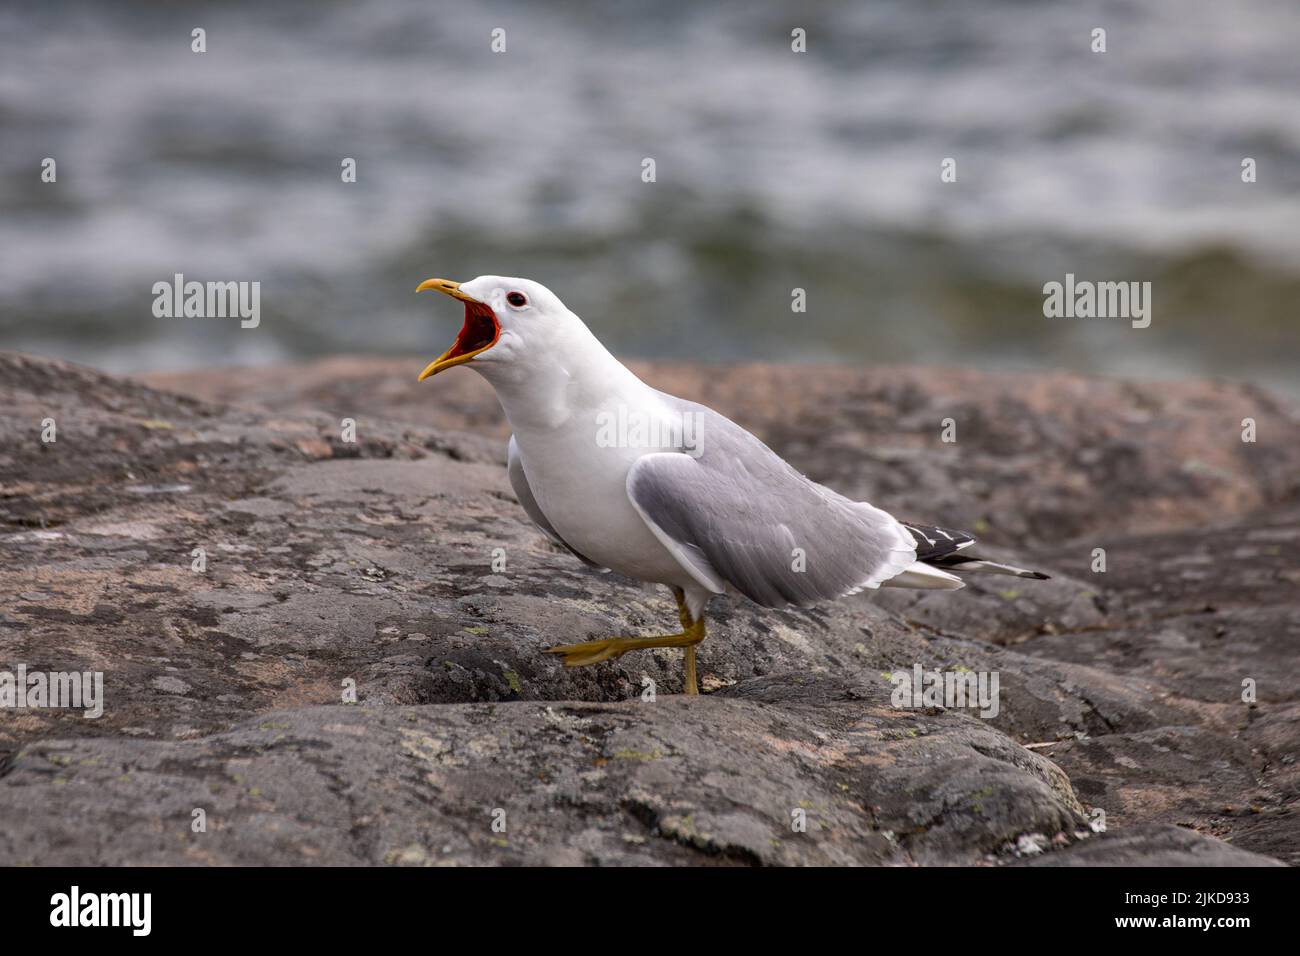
x: 733, y: 512
x: 519, y: 482
x: 962, y: 563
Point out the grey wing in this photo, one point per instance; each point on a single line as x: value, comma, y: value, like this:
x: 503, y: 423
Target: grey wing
x: 733, y: 512
x: 519, y: 482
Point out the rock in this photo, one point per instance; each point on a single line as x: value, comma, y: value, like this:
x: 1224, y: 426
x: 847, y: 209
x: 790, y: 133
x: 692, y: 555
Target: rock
x: 793, y: 770
x: 1153, y: 845
x: 273, y: 567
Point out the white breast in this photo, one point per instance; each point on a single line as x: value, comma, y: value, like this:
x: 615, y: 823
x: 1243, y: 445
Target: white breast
x: 581, y: 487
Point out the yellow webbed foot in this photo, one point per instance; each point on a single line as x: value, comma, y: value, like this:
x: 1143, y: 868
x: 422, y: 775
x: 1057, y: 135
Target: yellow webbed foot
x: 593, y: 652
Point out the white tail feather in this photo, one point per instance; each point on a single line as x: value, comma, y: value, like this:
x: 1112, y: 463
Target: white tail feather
x: 923, y: 576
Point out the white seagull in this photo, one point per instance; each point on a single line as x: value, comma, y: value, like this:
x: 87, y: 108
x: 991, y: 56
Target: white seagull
x: 665, y: 490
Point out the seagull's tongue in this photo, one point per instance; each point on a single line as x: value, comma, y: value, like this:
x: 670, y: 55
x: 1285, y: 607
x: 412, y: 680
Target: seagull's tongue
x: 479, y: 331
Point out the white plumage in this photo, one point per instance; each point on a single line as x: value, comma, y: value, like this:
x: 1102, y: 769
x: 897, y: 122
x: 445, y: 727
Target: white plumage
x: 684, y: 496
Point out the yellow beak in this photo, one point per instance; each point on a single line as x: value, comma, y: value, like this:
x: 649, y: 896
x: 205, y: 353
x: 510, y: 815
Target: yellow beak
x: 446, y: 287
x: 475, y: 331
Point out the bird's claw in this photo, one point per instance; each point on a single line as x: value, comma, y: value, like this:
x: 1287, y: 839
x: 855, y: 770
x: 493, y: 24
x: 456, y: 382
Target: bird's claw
x: 589, y: 652
x: 593, y: 652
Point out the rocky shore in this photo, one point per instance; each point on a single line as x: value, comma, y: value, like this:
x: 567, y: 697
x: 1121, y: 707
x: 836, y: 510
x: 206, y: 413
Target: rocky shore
x: 237, y: 568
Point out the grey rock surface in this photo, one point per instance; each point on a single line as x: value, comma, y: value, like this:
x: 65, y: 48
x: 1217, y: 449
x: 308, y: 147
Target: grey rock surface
x: 377, y: 564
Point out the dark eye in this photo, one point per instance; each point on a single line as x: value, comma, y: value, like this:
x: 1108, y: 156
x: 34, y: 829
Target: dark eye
x: 517, y: 299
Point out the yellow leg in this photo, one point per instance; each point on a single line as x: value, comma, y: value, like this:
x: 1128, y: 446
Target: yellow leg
x: 593, y: 652
x: 684, y: 615
x: 683, y: 612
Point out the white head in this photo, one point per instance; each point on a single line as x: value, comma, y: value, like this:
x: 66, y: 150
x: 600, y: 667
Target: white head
x: 513, y: 328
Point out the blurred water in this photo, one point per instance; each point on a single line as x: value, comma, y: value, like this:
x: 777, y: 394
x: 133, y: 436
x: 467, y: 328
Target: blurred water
x: 775, y: 170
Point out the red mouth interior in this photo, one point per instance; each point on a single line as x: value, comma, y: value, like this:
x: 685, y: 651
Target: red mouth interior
x: 479, y: 331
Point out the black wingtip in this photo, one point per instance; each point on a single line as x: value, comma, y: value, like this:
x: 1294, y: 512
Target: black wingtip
x: 1040, y: 576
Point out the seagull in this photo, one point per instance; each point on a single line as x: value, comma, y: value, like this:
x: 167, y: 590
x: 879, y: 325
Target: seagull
x: 665, y: 490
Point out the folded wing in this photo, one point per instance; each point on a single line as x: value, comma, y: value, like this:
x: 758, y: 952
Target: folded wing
x: 734, y: 513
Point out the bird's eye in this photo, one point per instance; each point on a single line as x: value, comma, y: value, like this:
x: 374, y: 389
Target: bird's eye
x: 517, y: 299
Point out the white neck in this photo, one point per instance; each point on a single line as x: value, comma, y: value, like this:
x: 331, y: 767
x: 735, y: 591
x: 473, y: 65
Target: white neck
x: 580, y: 376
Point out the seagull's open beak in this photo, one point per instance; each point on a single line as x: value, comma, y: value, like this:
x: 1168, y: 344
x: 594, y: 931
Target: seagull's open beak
x: 479, y: 333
